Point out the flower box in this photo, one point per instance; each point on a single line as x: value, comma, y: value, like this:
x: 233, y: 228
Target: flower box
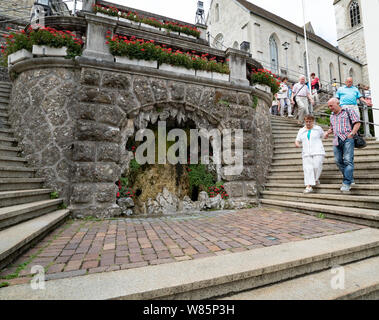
x: 147, y: 26
x: 19, y: 56
x: 133, y: 23
x: 49, y: 51
x: 168, y: 32
x: 204, y: 74
x: 262, y: 87
x: 220, y: 76
x: 176, y: 69
x: 99, y: 14
x: 135, y: 62
x: 188, y: 36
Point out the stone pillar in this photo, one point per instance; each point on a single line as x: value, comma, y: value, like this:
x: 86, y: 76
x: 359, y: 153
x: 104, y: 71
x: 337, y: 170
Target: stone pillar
x: 237, y: 64
x: 203, y: 31
x: 96, y: 46
x: 87, y: 5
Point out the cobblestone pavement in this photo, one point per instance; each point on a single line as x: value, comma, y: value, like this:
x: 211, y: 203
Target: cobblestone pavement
x: 87, y: 246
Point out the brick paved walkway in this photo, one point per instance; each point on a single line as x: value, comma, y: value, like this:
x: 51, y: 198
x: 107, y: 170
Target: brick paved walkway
x: 87, y: 246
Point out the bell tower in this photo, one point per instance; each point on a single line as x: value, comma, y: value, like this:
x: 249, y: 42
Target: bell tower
x: 350, y: 32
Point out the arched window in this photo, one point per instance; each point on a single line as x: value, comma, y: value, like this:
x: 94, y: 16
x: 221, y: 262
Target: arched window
x: 355, y: 14
x: 236, y: 45
x: 351, y: 73
x: 217, y: 13
x: 218, y: 41
x: 319, y: 67
x: 331, y: 72
x: 305, y: 65
x: 274, y: 55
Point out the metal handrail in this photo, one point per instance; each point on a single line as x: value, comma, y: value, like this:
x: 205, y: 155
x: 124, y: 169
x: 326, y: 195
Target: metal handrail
x: 366, y: 123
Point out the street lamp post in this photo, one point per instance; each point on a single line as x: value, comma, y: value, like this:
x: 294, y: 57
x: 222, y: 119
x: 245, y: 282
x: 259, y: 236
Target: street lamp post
x: 286, y: 45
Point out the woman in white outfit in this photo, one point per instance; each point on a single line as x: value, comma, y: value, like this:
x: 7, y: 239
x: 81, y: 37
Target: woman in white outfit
x: 311, y: 137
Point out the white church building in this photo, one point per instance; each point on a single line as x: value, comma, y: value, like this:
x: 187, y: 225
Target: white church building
x: 279, y: 45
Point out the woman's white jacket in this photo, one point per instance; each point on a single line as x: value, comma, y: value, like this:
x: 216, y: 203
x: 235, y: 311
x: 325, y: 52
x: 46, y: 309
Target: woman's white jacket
x: 313, y: 146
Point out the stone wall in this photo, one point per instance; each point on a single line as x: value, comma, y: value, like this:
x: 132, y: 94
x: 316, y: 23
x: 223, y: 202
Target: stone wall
x: 73, y: 121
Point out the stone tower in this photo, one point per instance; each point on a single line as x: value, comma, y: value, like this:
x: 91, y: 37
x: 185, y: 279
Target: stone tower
x: 350, y: 33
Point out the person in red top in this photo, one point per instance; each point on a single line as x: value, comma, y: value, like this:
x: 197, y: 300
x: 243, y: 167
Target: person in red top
x: 315, y: 82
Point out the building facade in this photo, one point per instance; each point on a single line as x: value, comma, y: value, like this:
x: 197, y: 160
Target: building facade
x: 232, y: 22
x: 350, y: 31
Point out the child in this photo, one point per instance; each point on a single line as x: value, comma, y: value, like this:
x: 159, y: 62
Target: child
x: 275, y: 106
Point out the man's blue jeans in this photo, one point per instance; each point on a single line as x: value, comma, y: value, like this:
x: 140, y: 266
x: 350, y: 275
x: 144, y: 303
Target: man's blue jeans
x: 344, y: 157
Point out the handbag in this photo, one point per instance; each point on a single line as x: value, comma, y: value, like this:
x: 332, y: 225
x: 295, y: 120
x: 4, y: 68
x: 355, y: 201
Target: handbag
x: 359, y: 141
x: 294, y: 97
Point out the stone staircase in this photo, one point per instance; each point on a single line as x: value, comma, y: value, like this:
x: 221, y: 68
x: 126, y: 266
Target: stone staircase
x: 26, y: 211
x: 285, y: 185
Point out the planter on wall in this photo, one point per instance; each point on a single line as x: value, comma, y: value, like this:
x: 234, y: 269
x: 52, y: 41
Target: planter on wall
x: 176, y: 69
x: 99, y: 14
x: 133, y: 23
x: 49, y: 51
x: 172, y: 32
x: 188, y: 36
x: 19, y: 56
x: 147, y: 26
x: 262, y: 87
x: 135, y: 62
x: 220, y: 76
x: 204, y: 74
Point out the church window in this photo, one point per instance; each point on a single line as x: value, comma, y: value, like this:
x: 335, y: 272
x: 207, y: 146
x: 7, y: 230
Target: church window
x: 351, y: 73
x: 319, y: 67
x: 355, y: 15
x: 331, y: 72
x: 274, y: 55
x: 218, y: 41
x: 217, y: 13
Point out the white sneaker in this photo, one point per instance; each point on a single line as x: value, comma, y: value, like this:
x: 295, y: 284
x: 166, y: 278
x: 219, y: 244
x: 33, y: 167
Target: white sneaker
x: 290, y: 116
x: 345, y: 188
x: 308, y: 190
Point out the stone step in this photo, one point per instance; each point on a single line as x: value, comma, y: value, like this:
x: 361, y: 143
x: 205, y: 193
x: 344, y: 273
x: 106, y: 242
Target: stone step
x: 18, y: 238
x: 358, y: 189
x: 204, y: 278
x: 366, y: 202
x: 290, y: 144
x: 4, y: 95
x: 367, y: 217
x: 4, y: 132
x: 15, y: 214
x: 12, y: 198
x: 329, y: 154
x: 12, y: 161
x: 9, y: 184
x: 325, y: 178
x: 330, y: 167
x: 4, y: 100
x: 280, y: 150
x: 361, y: 282
x: 10, y: 151
x: 292, y: 138
x: 329, y: 159
x: 16, y: 172
x: 4, y: 124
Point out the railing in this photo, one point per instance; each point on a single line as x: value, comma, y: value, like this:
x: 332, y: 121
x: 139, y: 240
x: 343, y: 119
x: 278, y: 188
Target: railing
x: 368, y: 127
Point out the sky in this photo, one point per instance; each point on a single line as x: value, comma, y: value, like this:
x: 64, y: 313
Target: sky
x: 320, y: 12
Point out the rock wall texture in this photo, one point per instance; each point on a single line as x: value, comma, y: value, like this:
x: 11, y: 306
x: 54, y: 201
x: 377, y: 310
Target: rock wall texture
x: 73, y: 123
